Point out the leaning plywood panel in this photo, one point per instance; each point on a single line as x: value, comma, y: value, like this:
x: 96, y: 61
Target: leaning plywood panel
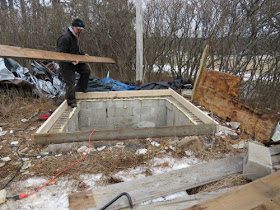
x: 218, y: 92
x: 19, y: 52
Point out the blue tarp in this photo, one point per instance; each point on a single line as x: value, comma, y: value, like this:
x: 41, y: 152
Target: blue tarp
x: 117, y: 86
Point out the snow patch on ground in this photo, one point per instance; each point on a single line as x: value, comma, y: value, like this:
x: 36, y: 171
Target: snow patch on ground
x: 55, y: 195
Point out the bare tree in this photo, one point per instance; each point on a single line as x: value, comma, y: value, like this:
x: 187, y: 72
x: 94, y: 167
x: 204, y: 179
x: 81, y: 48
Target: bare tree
x: 245, y: 33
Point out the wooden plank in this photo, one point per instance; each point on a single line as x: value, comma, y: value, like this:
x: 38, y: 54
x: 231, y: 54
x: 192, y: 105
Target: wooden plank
x: 88, y: 200
x: 201, y: 66
x: 152, y: 187
x: 125, y: 133
x: 27, y: 53
x: 274, y: 150
x: 123, y: 94
x: 156, y: 186
x: 196, y: 111
x: 275, y: 159
x: 46, y: 126
x: 263, y: 193
x: 183, y: 202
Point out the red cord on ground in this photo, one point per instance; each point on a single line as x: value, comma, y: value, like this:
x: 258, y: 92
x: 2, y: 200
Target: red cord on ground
x: 25, y: 195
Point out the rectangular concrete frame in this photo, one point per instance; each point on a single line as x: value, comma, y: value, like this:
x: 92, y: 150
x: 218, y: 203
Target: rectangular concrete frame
x: 54, y: 130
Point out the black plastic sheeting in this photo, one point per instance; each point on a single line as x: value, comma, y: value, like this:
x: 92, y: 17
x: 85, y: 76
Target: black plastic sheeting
x: 175, y: 85
x: 95, y: 84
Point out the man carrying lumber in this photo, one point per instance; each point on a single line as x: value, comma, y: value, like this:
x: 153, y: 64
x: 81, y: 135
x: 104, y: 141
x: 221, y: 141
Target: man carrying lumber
x: 69, y: 42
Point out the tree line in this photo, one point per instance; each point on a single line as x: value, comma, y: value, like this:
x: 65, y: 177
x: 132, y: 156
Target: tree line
x: 243, y: 36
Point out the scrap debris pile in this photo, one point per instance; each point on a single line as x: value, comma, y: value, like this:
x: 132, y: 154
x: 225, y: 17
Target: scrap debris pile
x: 44, y: 79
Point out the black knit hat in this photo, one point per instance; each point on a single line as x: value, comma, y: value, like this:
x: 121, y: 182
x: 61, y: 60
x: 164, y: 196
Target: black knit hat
x: 78, y: 23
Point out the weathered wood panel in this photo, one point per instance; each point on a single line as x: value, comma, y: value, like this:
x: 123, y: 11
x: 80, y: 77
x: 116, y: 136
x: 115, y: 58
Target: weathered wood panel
x: 88, y: 201
x: 27, y: 53
x: 152, y: 187
x: 149, y: 188
x: 223, y: 83
x: 263, y: 193
x: 183, y: 202
x: 216, y: 91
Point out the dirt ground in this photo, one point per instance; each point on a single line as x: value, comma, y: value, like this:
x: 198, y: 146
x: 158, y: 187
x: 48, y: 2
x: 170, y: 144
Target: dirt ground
x: 18, y: 143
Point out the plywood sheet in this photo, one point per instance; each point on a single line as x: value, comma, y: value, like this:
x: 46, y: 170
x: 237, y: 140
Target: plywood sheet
x: 218, y: 92
x: 223, y: 83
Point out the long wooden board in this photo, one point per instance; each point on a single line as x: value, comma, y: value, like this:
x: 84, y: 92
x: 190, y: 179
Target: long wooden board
x: 19, y: 52
x: 196, y: 111
x: 45, y: 127
x: 183, y: 202
x: 152, y: 187
x: 263, y: 193
x: 124, y: 94
x: 125, y: 133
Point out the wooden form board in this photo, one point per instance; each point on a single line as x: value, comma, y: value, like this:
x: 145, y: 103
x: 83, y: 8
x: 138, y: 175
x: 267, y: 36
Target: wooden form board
x: 56, y: 114
x: 217, y: 92
x: 125, y: 133
x: 156, y: 186
x: 260, y: 194
x: 123, y: 94
x: 27, y: 53
x: 43, y: 136
x: 205, y: 118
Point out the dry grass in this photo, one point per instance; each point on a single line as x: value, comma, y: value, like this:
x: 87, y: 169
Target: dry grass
x: 17, y: 104
x: 234, y: 180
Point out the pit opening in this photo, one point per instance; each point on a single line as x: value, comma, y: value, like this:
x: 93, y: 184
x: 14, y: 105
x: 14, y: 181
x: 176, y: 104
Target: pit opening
x: 121, y: 115
x: 125, y: 113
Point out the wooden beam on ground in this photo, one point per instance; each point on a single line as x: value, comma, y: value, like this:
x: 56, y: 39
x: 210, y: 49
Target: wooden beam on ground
x: 125, y: 133
x: 183, y: 202
x: 27, y: 53
x: 263, y: 193
x: 152, y: 187
x: 274, y: 150
x: 156, y: 186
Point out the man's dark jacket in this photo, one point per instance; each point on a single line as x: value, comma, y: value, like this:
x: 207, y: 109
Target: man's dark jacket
x: 68, y: 43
